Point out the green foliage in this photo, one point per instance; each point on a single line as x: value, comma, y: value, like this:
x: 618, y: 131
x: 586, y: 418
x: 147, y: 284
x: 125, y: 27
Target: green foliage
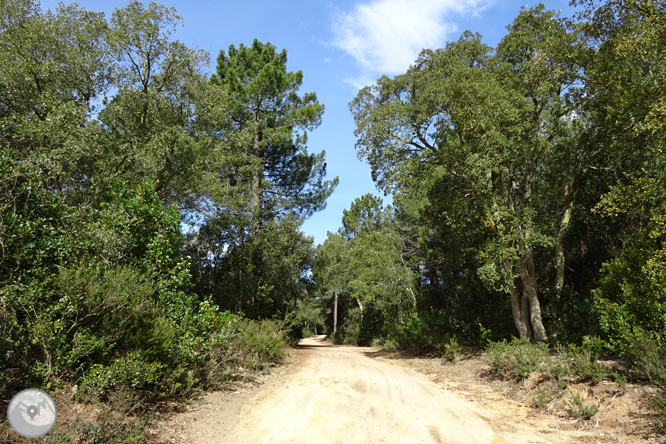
x: 559, y: 369
x: 106, y: 429
x: 308, y: 319
x: 285, y: 178
x: 452, y: 349
x: 579, y: 409
x: 31, y: 221
x: 496, y: 158
x: 349, y: 331
x: 587, y: 369
x: 620, y: 378
x: 264, y: 276
x: 132, y: 371
x: 516, y: 359
x: 364, y: 216
x: 112, y: 138
x: 583, y: 360
x: 493, y: 127
x: 570, y: 314
x: 261, y: 343
x: 631, y: 292
x: 519, y: 359
x: 254, y: 258
x: 648, y: 358
x: 542, y: 398
x: 658, y: 403
x: 364, y: 264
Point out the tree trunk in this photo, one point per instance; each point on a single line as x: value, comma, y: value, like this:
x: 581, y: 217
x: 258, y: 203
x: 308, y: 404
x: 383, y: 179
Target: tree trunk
x: 335, y: 313
x: 525, y: 305
x: 519, y: 305
x: 530, y: 292
x: 256, y: 179
x: 564, y: 225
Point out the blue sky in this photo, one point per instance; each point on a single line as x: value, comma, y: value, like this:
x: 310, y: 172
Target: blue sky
x: 340, y: 46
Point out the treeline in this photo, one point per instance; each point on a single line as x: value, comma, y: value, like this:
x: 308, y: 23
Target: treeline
x: 529, y: 190
x: 143, y: 202
x: 529, y: 200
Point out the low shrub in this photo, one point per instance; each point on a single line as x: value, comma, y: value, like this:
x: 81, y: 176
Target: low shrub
x: 579, y: 409
x: 558, y: 370
x: 543, y: 398
x: 620, y: 378
x: 584, y: 358
x: 658, y: 404
x: 452, y: 349
x: 520, y: 358
x: 586, y: 369
x: 646, y: 357
x: 516, y: 359
x: 260, y: 343
x: 130, y: 371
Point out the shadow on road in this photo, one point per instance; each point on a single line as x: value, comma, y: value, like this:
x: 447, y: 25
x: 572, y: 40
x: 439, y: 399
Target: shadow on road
x: 314, y: 342
x: 389, y: 354
x: 470, y: 353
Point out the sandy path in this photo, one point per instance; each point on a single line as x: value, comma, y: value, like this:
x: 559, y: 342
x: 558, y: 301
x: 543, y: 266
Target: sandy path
x: 339, y: 395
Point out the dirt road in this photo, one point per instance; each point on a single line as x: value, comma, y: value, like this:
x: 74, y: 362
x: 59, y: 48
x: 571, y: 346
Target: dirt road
x: 339, y: 395
x: 342, y: 396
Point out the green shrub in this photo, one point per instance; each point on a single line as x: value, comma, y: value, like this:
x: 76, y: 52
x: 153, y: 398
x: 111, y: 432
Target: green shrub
x: 349, y: 328
x: 452, y: 349
x: 658, y: 404
x: 579, y: 409
x: 131, y: 371
x: 620, y: 378
x: 261, y: 343
x: 516, y: 359
x: 586, y: 369
x: 106, y: 429
x: 519, y: 358
x: 647, y: 357
x: 558, y: 369
x: 584, y: 362
x: 542, y: 398
x: 390, y: 344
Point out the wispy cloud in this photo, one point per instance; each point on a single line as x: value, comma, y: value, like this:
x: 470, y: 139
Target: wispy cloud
x: 385, y: 36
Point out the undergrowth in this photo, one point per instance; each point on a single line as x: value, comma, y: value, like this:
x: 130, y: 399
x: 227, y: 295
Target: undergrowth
x: 553, y: 372
x: 520, y: 359
x: 126, y: 389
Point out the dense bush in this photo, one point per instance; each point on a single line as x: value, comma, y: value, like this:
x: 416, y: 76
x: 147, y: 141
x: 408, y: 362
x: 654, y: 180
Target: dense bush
x: 107, y: 304
x: 259, y: 343
x: 647, y: 359
x: 520, y: 358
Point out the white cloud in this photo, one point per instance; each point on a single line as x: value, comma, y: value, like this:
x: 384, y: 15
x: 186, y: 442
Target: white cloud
x: 386, y: 36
